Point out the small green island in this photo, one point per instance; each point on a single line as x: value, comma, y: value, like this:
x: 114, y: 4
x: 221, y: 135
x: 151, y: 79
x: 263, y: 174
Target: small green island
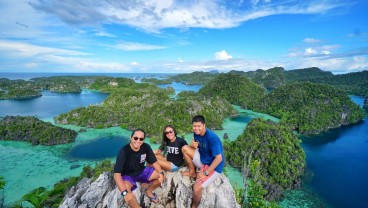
x: 311, y: 108
x: 270, y: 157
x: 31, y: 129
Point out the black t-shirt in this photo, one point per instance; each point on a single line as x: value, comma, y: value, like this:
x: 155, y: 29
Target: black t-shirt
x: 174, y: 153
x: 130, y: 162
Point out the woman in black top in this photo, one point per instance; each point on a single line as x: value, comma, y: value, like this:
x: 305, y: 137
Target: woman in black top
x: 172, y: 145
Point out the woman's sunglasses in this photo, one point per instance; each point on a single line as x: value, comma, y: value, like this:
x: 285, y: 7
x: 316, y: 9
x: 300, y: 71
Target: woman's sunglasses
x: 136, y: 138
x: 168, y: 132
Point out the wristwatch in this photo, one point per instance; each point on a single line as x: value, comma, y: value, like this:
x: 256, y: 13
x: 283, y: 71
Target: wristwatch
x: 205, y: 173
x: 124, y: 193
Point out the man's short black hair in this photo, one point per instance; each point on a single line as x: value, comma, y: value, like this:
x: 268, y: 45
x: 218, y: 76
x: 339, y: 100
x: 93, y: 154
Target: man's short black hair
x: 141, y: 130
x: 198, y: 118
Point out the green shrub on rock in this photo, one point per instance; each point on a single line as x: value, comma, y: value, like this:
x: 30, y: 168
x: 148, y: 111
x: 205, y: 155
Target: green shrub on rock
x: 278, y: 150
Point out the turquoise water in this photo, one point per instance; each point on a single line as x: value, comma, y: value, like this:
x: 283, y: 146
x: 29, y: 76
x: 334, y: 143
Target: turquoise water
x: 337, y: 160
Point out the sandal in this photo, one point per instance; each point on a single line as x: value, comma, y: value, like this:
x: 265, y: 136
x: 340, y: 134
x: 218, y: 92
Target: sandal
x: 153, y: 199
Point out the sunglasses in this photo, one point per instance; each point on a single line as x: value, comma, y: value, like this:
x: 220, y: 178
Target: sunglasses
x: 168, y: 132
x: 136, y: 138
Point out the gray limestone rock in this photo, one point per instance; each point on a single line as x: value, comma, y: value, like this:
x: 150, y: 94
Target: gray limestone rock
x: 175, y: 192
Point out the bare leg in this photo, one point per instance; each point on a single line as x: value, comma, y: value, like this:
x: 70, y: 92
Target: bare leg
x: 188, y: 153
x: 197, y: 195
x: 132, y: 202
x: 166, y: 165
x: 155, y: 183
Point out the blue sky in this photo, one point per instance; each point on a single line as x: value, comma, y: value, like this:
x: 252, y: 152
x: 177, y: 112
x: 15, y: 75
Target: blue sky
x: 182, y: 36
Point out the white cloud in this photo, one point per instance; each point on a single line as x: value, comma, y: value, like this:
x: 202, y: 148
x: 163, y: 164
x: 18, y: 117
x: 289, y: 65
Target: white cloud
x: 132, y: 46
x: 222, y: 55
x: 105, y: 34
x: 310, y: 51
x: 311, y: 40
x: 154, y: 15
x: 28, y: 50
x: 134, y: 63
x: 180, y: 60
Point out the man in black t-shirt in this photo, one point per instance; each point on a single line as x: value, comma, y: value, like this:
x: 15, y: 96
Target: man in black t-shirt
x: 130, y: 168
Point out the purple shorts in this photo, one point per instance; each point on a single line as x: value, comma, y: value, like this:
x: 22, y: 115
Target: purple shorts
x: 142, y: 177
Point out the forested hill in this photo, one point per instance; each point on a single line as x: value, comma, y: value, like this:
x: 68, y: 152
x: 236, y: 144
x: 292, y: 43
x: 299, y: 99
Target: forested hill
x: 236, y: 89
x: 131, y: 105
x: 31, y: 129
x: 271, y: 157
x: 193, y: 78
x: 311, y: 108
x: 306, y: 74
x: 355, y: 83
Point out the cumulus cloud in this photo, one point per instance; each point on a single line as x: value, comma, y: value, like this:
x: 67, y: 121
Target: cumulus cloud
x: 134, y: 63
x: 310, y: 51
x: 222, y: 55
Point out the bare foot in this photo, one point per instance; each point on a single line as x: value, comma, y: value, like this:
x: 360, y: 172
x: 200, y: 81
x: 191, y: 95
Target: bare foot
x: 188, y: 173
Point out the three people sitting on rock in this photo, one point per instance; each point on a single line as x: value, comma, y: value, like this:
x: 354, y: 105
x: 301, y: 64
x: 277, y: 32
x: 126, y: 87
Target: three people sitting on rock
x: 205, y: 152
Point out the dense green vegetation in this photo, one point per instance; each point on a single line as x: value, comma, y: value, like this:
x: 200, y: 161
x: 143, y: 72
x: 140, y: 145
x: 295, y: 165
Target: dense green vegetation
x: 311, y: 108
x: 148, y: 107
x: 355, y: 83
x: 41, y: 197
x: 307, y: 74
x: 269, y: 79
x: 194, y: 78
x: 109, y: 84
x: 18, y: 89
x: 235, y: 88
x: 31, y: 129
x: 272, y: 149
x: 58, y: 84
x: 156, y: 81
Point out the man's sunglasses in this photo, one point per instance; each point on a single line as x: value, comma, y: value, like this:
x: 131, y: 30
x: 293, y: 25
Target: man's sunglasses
x: 136, y: 138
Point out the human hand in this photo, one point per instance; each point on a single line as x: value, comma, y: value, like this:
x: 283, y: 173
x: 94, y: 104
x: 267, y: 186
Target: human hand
x: 128, y: 197
x: 161, y: 178
x: 194, y: 144
x: 200, y: 174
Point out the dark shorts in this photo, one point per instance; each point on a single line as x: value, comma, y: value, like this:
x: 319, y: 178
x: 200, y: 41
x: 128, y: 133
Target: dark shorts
x: 142, y: 177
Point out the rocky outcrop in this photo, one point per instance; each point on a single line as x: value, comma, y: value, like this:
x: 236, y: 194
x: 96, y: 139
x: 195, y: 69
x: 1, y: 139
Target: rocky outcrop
x: 175, y: 192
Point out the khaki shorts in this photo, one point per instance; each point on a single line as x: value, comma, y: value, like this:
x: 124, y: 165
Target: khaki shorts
x: 211, y: 176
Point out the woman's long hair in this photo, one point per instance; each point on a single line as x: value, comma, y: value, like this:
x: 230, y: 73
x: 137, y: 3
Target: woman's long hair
x: 164, y: 137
